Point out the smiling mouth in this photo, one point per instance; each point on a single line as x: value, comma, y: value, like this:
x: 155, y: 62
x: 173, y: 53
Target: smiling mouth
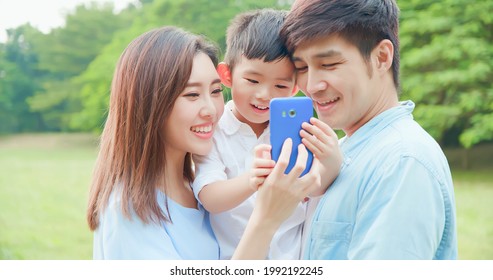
x: 201, y: 129
x: 259, y: 107
x: 325, y: 103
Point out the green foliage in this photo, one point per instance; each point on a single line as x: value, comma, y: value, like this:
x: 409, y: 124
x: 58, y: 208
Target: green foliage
x: 209, y: 18
x: 65, y: 53
x: 446, y: 58
x: 61, y: 80
x: 18, y: 67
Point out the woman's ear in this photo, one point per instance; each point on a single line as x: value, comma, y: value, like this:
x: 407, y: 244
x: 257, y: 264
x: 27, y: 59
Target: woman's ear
x: 224, y: 74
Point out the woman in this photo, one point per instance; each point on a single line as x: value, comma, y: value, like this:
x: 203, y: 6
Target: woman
x: 166, y: 99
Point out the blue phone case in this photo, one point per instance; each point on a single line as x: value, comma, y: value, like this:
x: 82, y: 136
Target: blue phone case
x: 286, y: 116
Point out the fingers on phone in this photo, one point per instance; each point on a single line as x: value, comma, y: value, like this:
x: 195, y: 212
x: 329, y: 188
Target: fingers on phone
x: 300, y: 163
x: 283, y: 160
x: 262, y: 151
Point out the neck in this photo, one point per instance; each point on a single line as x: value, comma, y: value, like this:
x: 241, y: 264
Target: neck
x: 386, y: 99
x: 258, y: 128
x: 177, y: 187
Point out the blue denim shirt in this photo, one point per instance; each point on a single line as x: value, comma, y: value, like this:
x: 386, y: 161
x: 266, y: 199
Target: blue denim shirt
x: 393, y: 198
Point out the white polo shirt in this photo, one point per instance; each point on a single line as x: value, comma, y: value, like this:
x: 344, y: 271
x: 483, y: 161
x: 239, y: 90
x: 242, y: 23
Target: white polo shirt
x: 231, y: 155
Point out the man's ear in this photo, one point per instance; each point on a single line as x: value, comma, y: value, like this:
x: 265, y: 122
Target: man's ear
x: 224, y: 74
x: 295, y: 90
x: 384, y: 55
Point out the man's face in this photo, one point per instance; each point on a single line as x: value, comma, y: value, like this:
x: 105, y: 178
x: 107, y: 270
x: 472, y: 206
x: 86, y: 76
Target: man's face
x: 333, y: 73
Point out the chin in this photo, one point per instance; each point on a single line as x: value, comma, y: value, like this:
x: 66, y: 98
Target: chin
x: 202, y: 150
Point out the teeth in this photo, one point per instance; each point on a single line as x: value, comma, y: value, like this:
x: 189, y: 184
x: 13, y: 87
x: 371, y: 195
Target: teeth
x: 202, y: 129
x: 330, y: 101
x: 261, y: 107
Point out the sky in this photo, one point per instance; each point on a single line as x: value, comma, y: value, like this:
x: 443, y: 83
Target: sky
x: 42, y: 14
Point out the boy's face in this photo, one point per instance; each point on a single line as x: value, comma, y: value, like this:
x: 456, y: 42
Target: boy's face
x: 255, y: 82
x: 333, y: 73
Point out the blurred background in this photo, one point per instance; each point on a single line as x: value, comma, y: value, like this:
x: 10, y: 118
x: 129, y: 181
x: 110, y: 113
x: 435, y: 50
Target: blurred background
x: 54, y: 89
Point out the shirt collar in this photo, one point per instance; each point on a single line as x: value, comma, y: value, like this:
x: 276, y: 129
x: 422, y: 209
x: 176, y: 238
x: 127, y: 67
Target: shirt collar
x: 352, y: 145
x: 230, y: 124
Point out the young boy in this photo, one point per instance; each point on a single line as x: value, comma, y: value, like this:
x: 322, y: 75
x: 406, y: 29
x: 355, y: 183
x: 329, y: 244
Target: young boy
x: 257, y: 68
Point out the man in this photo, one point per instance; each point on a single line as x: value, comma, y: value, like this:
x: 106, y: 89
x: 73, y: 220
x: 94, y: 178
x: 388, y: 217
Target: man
x: 393, y: 198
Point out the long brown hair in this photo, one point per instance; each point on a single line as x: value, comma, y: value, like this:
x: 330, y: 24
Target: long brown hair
x: 150, y: 75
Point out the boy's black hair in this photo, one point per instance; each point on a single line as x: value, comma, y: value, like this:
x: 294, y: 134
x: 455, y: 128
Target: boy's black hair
x: 255, y: 35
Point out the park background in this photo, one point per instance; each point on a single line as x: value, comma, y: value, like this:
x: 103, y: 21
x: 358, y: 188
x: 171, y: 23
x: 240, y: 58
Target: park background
x: 54, y: 90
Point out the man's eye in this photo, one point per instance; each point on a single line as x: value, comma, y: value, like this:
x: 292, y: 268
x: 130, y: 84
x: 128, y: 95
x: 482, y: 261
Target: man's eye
x: 330, y: 65
x: 301, y: 69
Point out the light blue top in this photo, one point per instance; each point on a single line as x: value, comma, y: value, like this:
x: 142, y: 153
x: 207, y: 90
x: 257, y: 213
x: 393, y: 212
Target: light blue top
x: 188, y: 237
x: 393, y: 198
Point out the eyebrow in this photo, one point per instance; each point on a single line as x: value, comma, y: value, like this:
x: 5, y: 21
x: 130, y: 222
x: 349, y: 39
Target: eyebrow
x: 286, y: 79
x: 329, y: 53
x: 198, y: 84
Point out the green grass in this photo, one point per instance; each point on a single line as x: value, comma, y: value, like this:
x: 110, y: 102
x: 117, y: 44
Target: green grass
x: 474, y: 203
x: 44, y: 182
x: 43, y: 192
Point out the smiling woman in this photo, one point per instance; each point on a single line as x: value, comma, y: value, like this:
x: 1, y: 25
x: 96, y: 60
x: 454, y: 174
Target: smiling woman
x: 166, y: 99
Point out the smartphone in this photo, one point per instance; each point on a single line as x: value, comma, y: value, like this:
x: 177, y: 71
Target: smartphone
x: 286, y: 116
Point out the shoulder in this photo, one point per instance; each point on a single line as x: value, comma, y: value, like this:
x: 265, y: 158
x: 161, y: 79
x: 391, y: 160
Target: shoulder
x: 122, y: 237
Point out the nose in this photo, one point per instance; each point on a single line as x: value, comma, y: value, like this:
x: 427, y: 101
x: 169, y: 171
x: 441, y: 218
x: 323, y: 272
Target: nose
x: 208, y: 109
x: 262, y: 93
x: 315, y: 82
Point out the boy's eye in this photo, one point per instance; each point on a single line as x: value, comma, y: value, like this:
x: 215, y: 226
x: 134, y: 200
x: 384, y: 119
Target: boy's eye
x: 281, y: 86
x: 251, y: 81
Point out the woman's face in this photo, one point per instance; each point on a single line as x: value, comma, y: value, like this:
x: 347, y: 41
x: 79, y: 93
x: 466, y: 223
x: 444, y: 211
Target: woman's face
x: 197, y: 110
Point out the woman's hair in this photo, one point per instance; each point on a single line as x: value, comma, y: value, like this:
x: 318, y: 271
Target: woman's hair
x: 150, y: 75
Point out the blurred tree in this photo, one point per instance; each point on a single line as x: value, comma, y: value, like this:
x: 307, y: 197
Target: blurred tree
x: 65, y: 53
x: 209, y: 18
x: 18, y: 80
x: 447, y: 67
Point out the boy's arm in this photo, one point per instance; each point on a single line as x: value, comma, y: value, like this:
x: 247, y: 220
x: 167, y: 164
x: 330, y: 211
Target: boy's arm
x: 224, y: 195
x: 323, y: 142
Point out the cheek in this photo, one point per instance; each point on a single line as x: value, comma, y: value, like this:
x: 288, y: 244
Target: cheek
x: 219, y: 104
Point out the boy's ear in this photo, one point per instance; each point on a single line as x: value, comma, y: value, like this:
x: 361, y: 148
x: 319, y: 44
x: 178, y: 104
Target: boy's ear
x: 224, y: 74
x: 295, y: 90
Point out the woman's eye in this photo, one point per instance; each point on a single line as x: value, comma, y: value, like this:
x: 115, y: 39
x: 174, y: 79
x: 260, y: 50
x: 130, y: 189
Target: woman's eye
x: 217, y: 91
x: 192, y: 94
